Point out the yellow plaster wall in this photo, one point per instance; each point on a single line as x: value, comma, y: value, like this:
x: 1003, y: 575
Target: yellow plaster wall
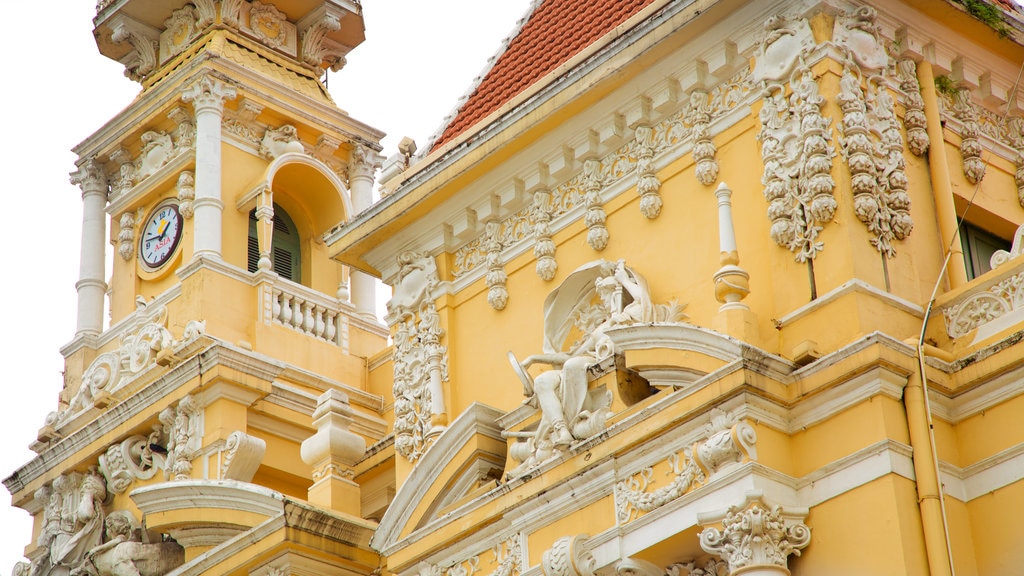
x: 995, y: 530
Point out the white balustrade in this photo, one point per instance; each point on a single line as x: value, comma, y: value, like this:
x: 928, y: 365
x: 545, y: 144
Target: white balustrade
x: 306, y: 311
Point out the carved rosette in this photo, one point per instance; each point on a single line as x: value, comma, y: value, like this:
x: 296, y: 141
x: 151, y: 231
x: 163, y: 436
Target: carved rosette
x: 497, y: 292
x: 970, y: 146
x: 914, y: 119
x: 797, y: 176
x: 126, y: 236
x: 755, y: 535
x: 595, y: 217
x: 698, y: 115
x: 647, y: 183
x: 544, y: 246
x: 568, y: 557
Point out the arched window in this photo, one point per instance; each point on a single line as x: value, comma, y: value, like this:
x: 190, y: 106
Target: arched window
x: 284, y: 246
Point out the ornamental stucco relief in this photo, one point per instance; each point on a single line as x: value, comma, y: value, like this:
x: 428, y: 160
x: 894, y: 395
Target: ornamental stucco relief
x: 420, y: 359
x: 594, y: 298
x: 726, y: 441
x: 756, y: 535
x: 583, y: 190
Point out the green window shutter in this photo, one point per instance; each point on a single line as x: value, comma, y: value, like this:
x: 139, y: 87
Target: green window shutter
x: 284, y: 250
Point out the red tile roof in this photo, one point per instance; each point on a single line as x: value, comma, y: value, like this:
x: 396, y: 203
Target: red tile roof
x: 555, y: 31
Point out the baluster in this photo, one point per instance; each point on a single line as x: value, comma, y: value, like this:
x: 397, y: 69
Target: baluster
x: 286, y: 309
x: 275, y: 304
x: 318, y: 316
x: 307, y: 320
x: 296, y: 320
x: 332, y: 320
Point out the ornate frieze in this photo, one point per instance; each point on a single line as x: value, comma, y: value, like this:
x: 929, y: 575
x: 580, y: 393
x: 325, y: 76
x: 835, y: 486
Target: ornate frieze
x: 755, y: 535
x: 710, y: 567
x: 508, y: 555
x: 581, y: 190
x: 420, y: 359
x: 726, y: 442
x: 914, y: 119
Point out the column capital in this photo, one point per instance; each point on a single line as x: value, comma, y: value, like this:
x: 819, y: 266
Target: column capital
x: 755, y: 534
x: 362, y: 163
x: 209, y: 93
x: 90, y: 177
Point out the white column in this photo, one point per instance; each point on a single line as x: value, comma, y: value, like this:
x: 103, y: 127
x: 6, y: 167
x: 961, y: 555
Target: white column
x: 361, y: 168
x: 207, y: 97
x: 92, y: 285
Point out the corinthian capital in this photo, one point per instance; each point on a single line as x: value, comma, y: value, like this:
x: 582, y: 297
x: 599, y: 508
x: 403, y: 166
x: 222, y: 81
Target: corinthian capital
x: 90, y: 177
x: 754, y: 534
x: 209, y: 93
x: 363, y: 162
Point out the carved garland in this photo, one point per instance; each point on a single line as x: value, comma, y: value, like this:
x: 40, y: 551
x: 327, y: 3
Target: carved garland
x: 724, y: 444
x: 699, y: 117
x: 595, y: 217
x: 970, y: 146
x: 914, y: 119
x: 497, y: 292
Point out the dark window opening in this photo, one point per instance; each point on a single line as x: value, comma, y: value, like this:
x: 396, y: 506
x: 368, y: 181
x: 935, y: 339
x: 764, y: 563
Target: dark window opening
x: 979, y: 246
x: 284, y: 246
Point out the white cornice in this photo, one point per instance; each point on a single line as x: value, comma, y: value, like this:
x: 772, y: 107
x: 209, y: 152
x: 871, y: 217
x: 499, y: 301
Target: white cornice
x: 984, y: 476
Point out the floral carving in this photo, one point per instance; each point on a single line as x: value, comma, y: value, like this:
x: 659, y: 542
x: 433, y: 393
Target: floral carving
x: 186, y: 194
x: 970, y: 146
x: 497, y: 292
x: 126, y: 236
x: 509, y: 557
x: 711, y: 567
x: 420, y: 359
x: 725, y: 442
x: 132, y: 459
x: 914, y: 119
x: 595, y: 217
x: 112, y: 371
x: 647, y: 183
x: 698, y: 115
x: 875, y: 159
x: 755, y: 535
x: 1014, y: 136
x: 568, y: 557
x: 179, y: 30
x: 614, y: 166
x: 544, y: 246
x: 277, y: 141
x: 267, y: 22
x: 185, y: 428
x: 797, y: 153
x: 158, y: 148
x: 983, y: 307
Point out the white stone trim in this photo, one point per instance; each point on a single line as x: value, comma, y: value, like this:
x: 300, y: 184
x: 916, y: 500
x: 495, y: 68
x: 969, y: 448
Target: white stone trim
x: 854, y: 286
x: 984, y: 476
x: 978, y: 399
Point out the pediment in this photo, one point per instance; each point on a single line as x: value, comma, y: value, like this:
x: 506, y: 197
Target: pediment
x: 468, y: 454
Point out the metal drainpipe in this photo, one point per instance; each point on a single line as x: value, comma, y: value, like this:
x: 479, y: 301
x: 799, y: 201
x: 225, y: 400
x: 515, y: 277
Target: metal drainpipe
x: 930, y: 500
x: 938, y: 167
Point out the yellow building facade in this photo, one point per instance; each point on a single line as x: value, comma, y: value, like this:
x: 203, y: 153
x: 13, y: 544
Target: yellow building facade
x: 681, y: 288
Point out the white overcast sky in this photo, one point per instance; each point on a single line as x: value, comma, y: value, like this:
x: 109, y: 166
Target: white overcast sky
x: 419, y: 57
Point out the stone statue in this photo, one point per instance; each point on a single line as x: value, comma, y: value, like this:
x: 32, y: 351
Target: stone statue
x: 124, y: 555
x: 561, y: 392
x: 79, y: 528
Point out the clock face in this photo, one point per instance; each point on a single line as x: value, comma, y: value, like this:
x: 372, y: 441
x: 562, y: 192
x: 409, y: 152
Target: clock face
x: 160, y: 236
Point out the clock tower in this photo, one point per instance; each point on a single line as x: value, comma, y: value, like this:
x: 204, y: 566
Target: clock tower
x: 216, y: 385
